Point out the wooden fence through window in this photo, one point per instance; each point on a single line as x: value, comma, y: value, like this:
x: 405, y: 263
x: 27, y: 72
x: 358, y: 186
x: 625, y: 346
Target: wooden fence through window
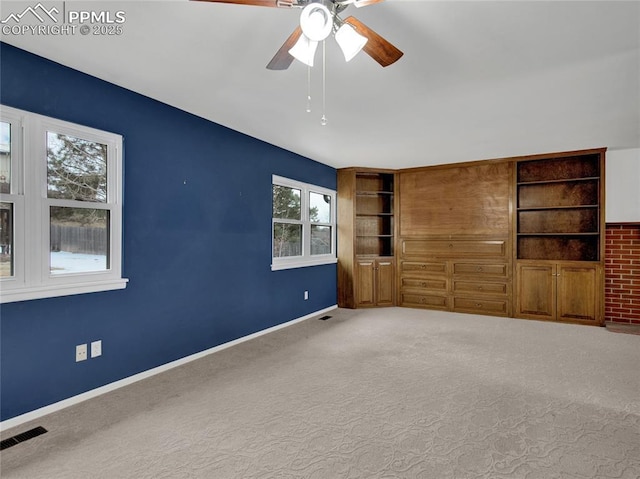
x: 78, y: 239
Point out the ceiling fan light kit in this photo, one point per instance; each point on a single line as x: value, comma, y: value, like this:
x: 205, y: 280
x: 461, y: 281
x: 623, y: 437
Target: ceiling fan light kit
x: 319, y: 18
x: 304, y: 50
x: 316, y: 21
x: 350, y: 41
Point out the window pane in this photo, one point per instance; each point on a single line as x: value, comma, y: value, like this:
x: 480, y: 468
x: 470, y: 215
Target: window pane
x: 320, y: 239
x: 319, y: 208
x: 76, y: 168
x: 79, y: 240
x: 287, y: 240
x: 286, y: 203
x: 5, y: 157
x: 6, y: 240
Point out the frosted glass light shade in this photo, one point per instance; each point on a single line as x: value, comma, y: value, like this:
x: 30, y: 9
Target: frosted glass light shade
x: 316, y: 21
x: 304, y: 50
x: 350, y: 41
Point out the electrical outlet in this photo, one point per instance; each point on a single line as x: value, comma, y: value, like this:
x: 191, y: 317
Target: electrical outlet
x: 306, y: 295
x: 81, y: 352
x: 96, y: 348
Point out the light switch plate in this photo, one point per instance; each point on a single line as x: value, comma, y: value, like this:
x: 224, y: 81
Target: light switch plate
x: 96, y: 348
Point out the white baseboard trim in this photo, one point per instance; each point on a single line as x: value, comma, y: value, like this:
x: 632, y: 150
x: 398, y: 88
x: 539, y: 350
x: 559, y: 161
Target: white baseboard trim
x: 43, y: 411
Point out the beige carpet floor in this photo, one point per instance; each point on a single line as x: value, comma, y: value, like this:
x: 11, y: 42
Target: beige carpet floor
x: 385, y: 393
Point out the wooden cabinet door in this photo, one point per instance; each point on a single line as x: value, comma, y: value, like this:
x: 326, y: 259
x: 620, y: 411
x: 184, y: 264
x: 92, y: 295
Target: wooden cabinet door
x: 578, y: 299
x: 365, y: 283
x: 536, y: 295
x: 375, y: 282
x: 385, y: 273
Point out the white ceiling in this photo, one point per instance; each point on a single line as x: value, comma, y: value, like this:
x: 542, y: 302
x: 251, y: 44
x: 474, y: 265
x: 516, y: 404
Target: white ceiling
x: 478, y: 79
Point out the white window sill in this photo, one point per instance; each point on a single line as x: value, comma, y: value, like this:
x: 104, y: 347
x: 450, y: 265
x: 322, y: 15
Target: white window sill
x: 52, y: 291
x: 300, y: 263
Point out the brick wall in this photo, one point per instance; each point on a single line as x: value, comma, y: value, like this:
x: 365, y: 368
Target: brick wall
x: 622, y: 273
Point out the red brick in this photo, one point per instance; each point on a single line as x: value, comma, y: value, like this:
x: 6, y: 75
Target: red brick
x: 622, y: 274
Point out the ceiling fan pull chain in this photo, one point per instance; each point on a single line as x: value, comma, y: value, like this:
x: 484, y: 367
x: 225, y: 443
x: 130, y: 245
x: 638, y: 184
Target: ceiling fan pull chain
x: 323, y: 120
x: 308, y: 89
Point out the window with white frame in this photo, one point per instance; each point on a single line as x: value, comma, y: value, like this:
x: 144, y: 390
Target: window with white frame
x: 60, y: 208
x: 303, y: 224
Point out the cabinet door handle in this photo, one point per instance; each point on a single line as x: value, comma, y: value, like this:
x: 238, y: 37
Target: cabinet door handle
x: 424, y: 285
x: 450, y: 245
x: 479, y: 268
x: 423, y: 266
x: 478, y: 305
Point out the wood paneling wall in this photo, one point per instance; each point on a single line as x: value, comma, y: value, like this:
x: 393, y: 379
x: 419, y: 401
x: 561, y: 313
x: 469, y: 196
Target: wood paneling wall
x: 473, y: 198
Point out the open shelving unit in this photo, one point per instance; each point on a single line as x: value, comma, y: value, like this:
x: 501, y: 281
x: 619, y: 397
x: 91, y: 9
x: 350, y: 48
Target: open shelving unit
x: 374, y: 214
x: 559, y: 208
x: 366, y: 237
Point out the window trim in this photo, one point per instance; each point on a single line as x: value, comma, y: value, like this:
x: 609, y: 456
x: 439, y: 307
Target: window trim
x: 32, y: 276
x: 306, y: 259
x: 15, y: 195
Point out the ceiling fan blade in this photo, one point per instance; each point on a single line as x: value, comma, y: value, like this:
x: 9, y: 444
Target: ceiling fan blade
x: 258, y: 3
x: 364, y: 3
x: 282, y: 59
x: 377, y: 47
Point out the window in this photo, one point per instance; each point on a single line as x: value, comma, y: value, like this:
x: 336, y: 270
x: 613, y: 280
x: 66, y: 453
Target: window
x: 304, y: 224
x: 60, y: 208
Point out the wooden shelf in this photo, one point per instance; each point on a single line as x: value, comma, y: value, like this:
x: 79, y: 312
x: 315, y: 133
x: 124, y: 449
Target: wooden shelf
x: 558, y: 208
x: 559, y: 234
x: 374, y: 236
x: 559, y: 247
x: 366, y: 242
x: 563, y: 180
x: 374, y: 246
x: 373, y: 193
x: 558, y: 220
x: 547, y: 208
x: 558, y: 194
x: 374, y: 214
x: 562, y: 168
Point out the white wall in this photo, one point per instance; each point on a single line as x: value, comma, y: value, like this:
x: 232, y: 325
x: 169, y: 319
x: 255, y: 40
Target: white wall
x: 623, y: 186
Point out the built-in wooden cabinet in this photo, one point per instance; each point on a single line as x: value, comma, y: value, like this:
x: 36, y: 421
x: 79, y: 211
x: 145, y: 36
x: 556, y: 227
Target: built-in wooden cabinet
x: 458, y: 273
x: 424, y: 283
x: 374, y: 285
x: 559, y: 209
x: 517, y: 237
x: 454, y: 247
x: 559, y: 291
x: 366, y: 238
x: 559, y: 236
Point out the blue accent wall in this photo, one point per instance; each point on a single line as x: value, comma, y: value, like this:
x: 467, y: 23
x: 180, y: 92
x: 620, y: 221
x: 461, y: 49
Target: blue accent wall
x: 196, y: 250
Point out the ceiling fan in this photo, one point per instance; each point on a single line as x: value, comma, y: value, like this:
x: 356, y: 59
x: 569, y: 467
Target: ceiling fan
x: 318, y: 20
